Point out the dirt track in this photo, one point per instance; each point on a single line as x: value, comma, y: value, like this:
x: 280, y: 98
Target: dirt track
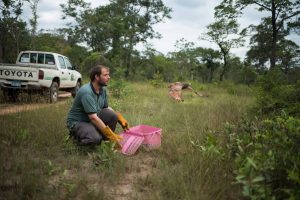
x: 9, y: 108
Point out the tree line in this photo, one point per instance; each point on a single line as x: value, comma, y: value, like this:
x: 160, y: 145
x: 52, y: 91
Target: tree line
x: 112, y: 32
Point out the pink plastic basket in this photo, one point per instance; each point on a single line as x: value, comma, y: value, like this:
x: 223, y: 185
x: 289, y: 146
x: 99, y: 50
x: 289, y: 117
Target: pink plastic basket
x: 130, y: 143
x: 152, y: 135
x: 136, y: 136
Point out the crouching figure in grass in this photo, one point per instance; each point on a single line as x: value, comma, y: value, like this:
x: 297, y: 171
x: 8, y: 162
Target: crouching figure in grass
x: 90, y: 120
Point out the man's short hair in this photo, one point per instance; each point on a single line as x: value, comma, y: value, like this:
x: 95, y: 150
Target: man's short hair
x: 96, y: 71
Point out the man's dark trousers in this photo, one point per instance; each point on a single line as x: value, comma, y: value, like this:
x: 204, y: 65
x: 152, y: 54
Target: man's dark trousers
x: 85, y: 133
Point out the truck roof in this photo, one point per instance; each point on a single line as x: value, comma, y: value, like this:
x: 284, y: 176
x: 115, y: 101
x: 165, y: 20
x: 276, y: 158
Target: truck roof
x: 29, y: 51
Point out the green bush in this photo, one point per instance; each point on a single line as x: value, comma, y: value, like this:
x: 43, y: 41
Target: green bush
x: 275, y: 94
x: 118, y: 88
x: 267, y: 157
x: 157, y: 81
x: 235, y: 89
x: 248, y: 75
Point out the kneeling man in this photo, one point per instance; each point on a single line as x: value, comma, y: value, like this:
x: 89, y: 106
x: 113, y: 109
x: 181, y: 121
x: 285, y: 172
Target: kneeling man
x: 90, y: 120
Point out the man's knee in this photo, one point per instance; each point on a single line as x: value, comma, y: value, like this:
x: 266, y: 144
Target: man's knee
x: 86, y: 134
x: 114, y: 117
x: 96, y: 139
x: 91, y: 140
x: 108, y: 116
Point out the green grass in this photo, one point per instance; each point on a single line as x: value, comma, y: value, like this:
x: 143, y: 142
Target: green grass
x: 40, y: 162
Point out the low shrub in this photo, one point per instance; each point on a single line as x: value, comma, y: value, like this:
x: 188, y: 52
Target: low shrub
x: 118, y: 88
x: 157, y: 81
x: 274, y: 94
x: 267, y: 157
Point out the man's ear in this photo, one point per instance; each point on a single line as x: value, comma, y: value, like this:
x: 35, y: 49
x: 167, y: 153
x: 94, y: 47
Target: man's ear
x: 97, y: 76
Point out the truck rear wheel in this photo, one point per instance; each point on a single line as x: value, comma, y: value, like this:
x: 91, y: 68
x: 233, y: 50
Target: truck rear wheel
x: 10, y: 95
x: 75, y: 89
x: 53, y: 92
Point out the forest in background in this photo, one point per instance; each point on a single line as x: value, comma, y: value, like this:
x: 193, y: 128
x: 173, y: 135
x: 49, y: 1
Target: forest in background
x: 110, y: 34
x: 261, y: 149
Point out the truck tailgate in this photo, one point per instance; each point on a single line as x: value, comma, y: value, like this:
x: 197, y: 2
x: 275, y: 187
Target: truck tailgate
x: 15, y: 72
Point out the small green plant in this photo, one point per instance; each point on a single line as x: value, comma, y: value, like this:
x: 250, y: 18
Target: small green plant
x: 231, y: 90
x: 210, y: 147
x: 21, y: 136
x: 52, y: 169
x: 104, y: 155
x: 157, y: 81
x: 118, y: 89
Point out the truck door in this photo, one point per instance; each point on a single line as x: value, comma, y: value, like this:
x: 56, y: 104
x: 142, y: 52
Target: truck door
x: 71, y: 81
x: 64, y: 73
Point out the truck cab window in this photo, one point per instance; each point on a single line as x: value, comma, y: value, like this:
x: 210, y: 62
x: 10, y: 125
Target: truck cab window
x: 69, y: 66
x: 61, y: 62
x: 33, y: 57
x: 41, y: 58
x: 24, y: 58
x: 49, y: 59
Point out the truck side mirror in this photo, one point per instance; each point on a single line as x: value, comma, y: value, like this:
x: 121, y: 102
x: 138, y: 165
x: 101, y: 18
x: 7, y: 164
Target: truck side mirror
x: 74, y: 67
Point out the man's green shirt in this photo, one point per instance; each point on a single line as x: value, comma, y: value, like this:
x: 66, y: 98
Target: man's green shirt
x: 86, y: 102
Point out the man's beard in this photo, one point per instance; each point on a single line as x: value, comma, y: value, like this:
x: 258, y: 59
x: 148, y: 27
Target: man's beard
x: 102, y: 84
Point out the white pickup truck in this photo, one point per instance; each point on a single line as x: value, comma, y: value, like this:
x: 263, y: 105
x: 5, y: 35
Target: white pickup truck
x: 39, y: 71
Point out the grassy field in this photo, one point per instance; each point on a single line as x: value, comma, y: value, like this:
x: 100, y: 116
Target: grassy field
x: 38, y: 161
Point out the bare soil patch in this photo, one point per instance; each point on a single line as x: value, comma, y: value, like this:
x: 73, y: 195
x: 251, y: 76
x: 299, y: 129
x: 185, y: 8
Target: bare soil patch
x: 129, y: 186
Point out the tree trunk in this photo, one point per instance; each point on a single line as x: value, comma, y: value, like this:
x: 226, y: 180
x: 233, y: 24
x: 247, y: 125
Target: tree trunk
x: 274, y: 36
x: 1, y: 52
x: 129, y: 58
x: 115, y: 45
x: 211, y: 72
x: 224, y: 67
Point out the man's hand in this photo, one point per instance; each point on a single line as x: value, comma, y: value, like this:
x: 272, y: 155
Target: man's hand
x: 123, y: 122
x: 110, y: 134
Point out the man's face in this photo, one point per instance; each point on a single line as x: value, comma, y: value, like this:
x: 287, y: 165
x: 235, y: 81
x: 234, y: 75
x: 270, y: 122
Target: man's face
x: 103, y: 79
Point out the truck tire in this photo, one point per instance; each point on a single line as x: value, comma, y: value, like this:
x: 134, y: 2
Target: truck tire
x: 53, y: 91
x: 5, y: 95
x: 75, y: 89
x: 10, y: 95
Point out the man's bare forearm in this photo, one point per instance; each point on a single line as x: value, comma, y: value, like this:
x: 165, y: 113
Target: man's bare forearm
x: 97, y: 121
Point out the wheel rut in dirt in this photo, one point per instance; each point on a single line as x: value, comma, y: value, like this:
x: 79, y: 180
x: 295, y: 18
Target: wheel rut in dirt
x: 10, y: 108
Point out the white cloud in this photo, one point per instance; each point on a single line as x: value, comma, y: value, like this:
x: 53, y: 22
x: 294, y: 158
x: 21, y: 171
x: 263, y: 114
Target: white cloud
x: 189, y: 3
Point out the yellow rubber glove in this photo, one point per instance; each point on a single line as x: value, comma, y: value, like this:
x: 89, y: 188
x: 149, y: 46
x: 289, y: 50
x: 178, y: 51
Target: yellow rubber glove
x: 107, y: 132
x: 123, y: 122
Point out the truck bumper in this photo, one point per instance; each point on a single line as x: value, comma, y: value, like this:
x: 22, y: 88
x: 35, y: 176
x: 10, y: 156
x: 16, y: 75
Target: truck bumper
x: 23, y: 86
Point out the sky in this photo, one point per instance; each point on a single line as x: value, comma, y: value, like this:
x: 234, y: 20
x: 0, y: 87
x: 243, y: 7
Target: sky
x: 189, y: 21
